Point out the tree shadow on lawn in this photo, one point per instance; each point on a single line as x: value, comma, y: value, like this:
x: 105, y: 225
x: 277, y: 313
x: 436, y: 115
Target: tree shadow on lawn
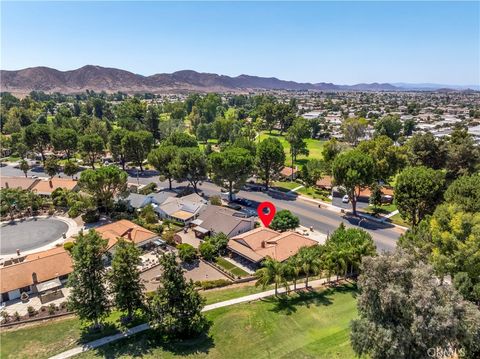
x: 288, y: 304
x: 144, y: 343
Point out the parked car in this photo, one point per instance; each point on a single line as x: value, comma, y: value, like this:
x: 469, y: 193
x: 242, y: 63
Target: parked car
x: 345, y: 199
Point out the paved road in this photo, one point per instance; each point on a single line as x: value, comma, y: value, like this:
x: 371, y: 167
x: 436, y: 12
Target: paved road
x: 142, y: 327
x: 321, y: 219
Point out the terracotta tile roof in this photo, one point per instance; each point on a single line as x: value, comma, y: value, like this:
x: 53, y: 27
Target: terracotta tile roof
x: 46, y: 265
x: 17, y: 182
x: 386, y: 191
x: 125, y: 229
x: 287, y: 171
x: 264, y: 242
x: 46, y: 187
x: 325, y: 182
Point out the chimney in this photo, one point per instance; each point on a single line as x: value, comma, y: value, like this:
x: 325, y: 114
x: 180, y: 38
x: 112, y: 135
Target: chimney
x: 34, y: 278
x: 50, y: 183
x: 263, y: 244
x: 6, y: 185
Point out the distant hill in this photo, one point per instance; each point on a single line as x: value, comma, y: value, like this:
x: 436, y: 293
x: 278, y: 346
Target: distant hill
x: 99, y: 78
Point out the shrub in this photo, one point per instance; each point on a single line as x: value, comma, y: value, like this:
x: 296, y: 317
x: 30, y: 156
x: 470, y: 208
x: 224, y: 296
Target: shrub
x: 186, y: 252
x: 91, y: 217
x: 149, y: 188
x: 31, y: 311
x: 169, y: 237
x: 207, y: 251
x: 52, y: 308
x: 5, y: 316
x: 16, y: 316
x: 217, y: 283
x: 215, y: 201
x: 73, y: 212
x: 68, y: 246
x: 43, y: 308
x: 284, y: 220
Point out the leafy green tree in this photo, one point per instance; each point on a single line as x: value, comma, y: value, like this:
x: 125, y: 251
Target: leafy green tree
x: 404, y: 312
x: 125, y: 282
x: 152, y: 121
x: 92, y: 147
x: 148, y: 215
x: 312, y: 172
x: 418, y: 191
x: 330, y: 150
x: 88, y: 297
x: 375, y: 199
x: 162, y: 159
x: 465, y: 192
x: 271, y: 271
x: 38, y: 138
x: 426, y: 150
x: 296, y: 135
x: 219, y: 242
x: 353, y: 170
x: 294, y: 268
x: 389, y: 126
x: 116, y: 147
x: 176, y: 308
x: 190, y: 164
x: 354, y: 129
x: 284, y: 220
x: 231, y: 168
x: 409, y: 126
x: 187, y: 252
x: 204, y: 132
x: 24, y: 167
x: 51, y: 166
x: 137, y: 145
x: 65, y: 140
x: 270, y: 158
x: 463, y: 156
x: 388, y: 159
x: 181, y: 139
x: 207, y: 251
x: 104, y: 183
x: 70, y: 168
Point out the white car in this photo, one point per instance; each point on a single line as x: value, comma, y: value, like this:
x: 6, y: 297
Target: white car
x: 345, y: 199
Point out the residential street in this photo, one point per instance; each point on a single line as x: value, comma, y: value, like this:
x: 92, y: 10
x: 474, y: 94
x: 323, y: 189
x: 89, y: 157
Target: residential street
x: 322, y: 219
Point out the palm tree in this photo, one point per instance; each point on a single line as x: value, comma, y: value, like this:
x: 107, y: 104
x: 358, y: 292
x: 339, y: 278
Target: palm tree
x: 310, y: 262
x: 272, y: 271
x: 294, y: 265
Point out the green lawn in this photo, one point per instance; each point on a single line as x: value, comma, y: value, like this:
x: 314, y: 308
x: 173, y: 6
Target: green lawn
x: 312, y: 192
x: 314, y: 146
x: 313, y: 325
x: 230, y: 267
x: 222, y: 294
x: 386, y: 209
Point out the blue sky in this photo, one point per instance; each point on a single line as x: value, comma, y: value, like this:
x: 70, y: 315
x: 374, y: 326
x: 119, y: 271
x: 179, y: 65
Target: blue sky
x: 340, y: 42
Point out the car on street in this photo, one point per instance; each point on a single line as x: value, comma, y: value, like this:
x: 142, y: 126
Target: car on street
x: 345, y: 199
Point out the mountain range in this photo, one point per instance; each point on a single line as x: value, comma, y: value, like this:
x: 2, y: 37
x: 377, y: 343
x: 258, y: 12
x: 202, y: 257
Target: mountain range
x: 99, y: 78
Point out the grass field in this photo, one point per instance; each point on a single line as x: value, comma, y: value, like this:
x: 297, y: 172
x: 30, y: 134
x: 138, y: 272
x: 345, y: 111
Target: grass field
x: 314, y: 146
x: 230, y: 267
x: 312, y: 192
x: 313, y: 325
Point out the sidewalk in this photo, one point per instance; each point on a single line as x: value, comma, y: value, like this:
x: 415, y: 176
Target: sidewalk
x: 142, y: 327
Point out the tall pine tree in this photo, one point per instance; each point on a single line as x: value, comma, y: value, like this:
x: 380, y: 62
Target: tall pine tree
x: 88, y: 297
x: 125, y: 282
x: 176, y: 308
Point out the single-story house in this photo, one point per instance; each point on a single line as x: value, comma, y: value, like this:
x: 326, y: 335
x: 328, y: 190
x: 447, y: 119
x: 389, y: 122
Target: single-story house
x: 325, y: 182
x: 45, y: 187
x: 24, y: 183
x: 182, y: 209
x: 215, y: 219
x: 287, y: 172
x: 127, y: 230
x: 262, y: 242
x: 137, y: 201
x: 387, y: 194
x: 35, y: 273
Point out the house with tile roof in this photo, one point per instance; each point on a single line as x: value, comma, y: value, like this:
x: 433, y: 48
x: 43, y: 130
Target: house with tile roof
x: 24, y: 183
x: 216, y: 219
x: 260, y: 243
x: 128, y: 230
x: 45, y: 187
x: 35, y: 273
x: 136, y: 201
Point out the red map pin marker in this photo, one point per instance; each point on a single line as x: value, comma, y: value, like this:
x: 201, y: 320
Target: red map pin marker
x: 266, y: 217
